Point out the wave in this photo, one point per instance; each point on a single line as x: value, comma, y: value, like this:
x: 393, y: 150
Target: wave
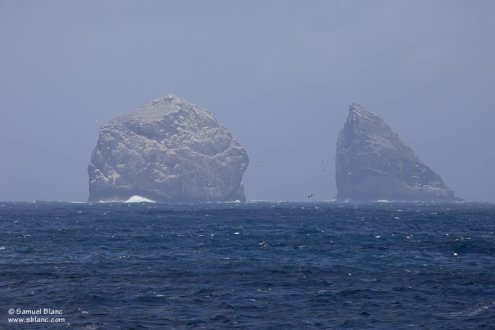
x: 139, y: 199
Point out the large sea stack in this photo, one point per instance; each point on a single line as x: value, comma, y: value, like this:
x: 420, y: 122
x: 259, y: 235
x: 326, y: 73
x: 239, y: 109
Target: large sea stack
x: 168, y: 151
x: 372, y: 163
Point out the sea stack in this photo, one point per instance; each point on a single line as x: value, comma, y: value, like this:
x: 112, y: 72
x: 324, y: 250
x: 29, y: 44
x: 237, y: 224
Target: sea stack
x: 372, y: 163
x: 167, y: 151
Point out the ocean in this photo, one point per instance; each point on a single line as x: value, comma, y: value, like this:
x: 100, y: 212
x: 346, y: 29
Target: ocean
x: 247, y: 266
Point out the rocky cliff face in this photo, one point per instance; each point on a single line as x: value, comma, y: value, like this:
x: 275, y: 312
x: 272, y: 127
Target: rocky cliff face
x: 168, y: 151
x: 372, y: 163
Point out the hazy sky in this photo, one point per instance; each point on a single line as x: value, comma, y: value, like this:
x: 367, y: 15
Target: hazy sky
x: 280, y: 75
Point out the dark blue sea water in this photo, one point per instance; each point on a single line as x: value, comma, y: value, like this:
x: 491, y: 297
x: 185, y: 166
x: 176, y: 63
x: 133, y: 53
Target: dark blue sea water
x: 253, y: 266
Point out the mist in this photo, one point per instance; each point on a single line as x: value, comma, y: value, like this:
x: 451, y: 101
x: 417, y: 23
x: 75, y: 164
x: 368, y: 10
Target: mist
x: 280, y: 75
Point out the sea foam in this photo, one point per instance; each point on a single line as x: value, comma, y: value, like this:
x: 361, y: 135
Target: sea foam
x: 139, y: 199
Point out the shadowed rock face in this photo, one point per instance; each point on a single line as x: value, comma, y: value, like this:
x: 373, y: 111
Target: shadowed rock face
x: 168, y: 151
x: 372, y: 163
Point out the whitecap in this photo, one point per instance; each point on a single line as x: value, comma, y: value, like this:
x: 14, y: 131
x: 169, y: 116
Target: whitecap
x: 139, y: 199
x: 473, y: 312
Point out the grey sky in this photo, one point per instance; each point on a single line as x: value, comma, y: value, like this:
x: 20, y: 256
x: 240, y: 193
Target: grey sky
x: 279, y: 75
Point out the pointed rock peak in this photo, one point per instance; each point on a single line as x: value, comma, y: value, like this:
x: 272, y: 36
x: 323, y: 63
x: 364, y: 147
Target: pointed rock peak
x: 361, y: 122
x: 357, y: 111
x: 357, y: 108
x: 373, y: 163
